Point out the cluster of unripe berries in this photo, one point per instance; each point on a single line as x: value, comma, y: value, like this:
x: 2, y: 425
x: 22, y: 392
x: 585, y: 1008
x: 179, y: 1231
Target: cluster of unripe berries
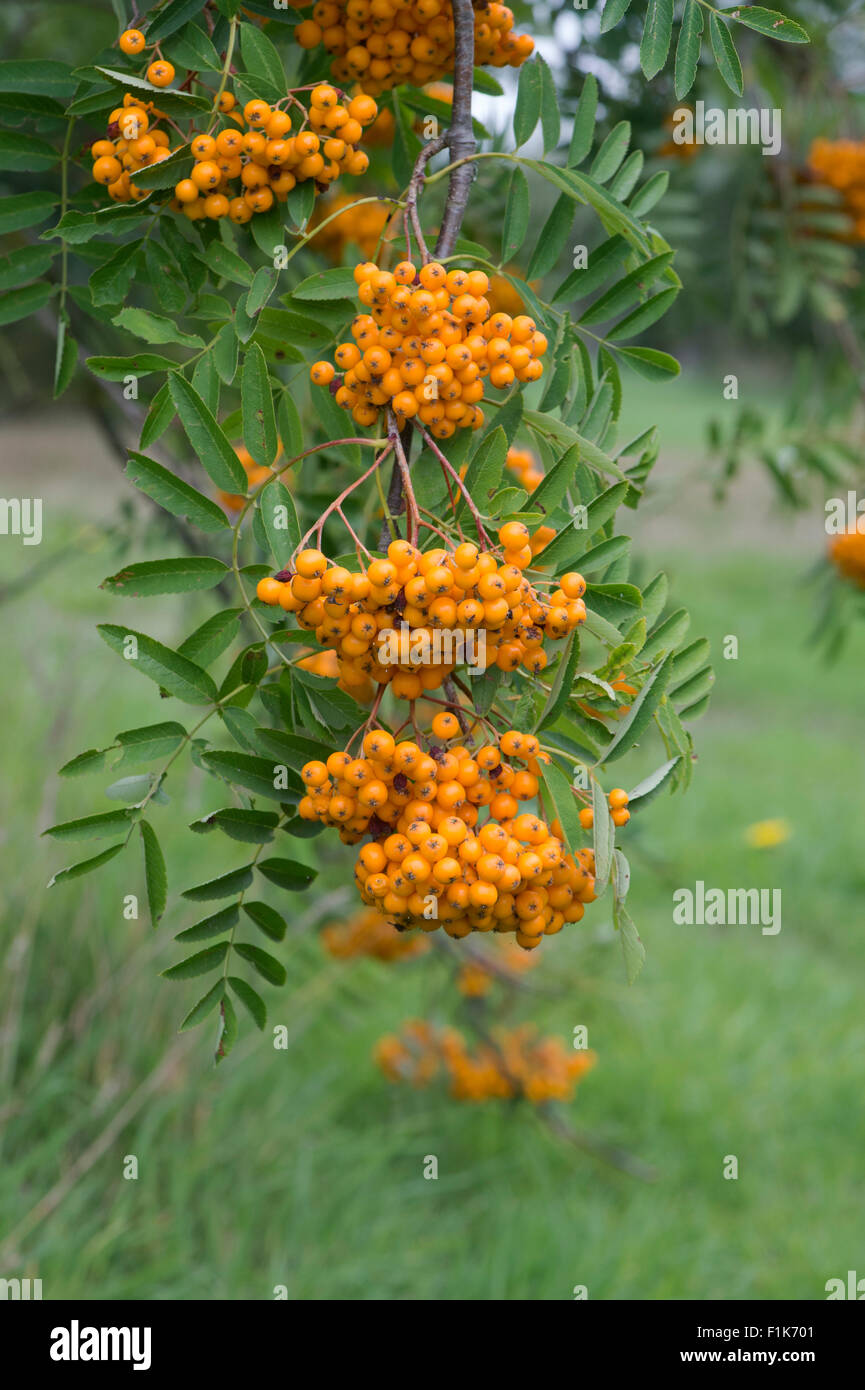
x: 841, y: 164
x: 255, y: 161
x: 132, y: 142
x: 384, y: 43
x: 847, y: 553
x: 431, y: 861
x: 617, y: 800
x: 514, y: 1063
x: 370, y: 934
x: 425, y: 347
x: 465, y: 592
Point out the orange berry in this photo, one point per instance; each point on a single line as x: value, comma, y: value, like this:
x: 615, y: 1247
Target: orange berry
x: 160, y: 74
x: 573, y: 585
x: 257, y: 113
x: 311, y: 564
x: 363, y: 108
x: 216, y: 205
x: 445, y: 725
x: 206, y: 175
x: 107, y: 170
x: 203, y: 146
x: 269, y: 590
x: 513, y: 535
x: 131, y: 41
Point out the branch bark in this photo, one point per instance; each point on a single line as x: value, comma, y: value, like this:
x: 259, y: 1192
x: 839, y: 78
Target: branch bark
x: 460, y: 137
x: 460, y: 142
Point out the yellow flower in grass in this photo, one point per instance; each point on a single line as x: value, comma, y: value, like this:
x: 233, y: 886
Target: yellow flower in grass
x: 767, y: 834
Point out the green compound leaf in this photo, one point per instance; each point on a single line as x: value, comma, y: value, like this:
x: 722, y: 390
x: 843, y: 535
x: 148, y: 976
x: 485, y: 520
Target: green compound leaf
x: 174, y: 673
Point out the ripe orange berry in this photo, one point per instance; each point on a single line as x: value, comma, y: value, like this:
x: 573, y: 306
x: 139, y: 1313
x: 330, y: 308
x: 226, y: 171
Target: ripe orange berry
x: 382, y: 573
x: 511, y: 744
x: 587, y: 817
x: 363, y: 108
x: 206, y: 175
x: 322, y: 373
x: 107, y: 169
x: 257, y: 113
x: 573, y: 585
x: 259, y: 199
x: 311, y: 564
x: 203, y: 147
x: 239, y: 210
x: 324, y: 97
x: 618, y: 799
x: 445, y: 725
x: 216, y: 205
x: 269, y: 590
x: 379, y: 744
x: 161, y: 74
x: 513, y: 535
x: 621, y: 817
x: 132, y: 41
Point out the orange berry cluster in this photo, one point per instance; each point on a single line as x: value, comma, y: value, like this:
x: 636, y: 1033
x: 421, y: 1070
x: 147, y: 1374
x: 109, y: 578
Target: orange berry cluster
x: 513, y: 1064
x: 523, y: 464
x: 267, y: 160
x: 476, y: 978
x: 388, y: 42
x: 370, y: 934
x: 525, y: 467
x: 394, y: 784
x: 361, y: 224
x: 841, y: 164
x: 466, y: 592
x: 133, y: 142
x: 425, y: 347
x: 431, y: 862
x: 618, y: 803
x: 847, y: 553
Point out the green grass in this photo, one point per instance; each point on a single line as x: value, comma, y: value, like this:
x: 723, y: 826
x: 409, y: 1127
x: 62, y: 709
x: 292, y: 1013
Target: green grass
x: 303, y: 1167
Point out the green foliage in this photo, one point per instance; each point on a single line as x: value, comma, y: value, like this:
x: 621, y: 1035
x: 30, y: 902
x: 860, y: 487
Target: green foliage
x: 657, y: 36
x: 237, y: 314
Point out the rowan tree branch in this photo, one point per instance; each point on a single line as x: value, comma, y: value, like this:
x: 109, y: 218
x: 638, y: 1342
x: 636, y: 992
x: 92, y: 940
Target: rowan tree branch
x: 460, y: 142
x: 460, y: 137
